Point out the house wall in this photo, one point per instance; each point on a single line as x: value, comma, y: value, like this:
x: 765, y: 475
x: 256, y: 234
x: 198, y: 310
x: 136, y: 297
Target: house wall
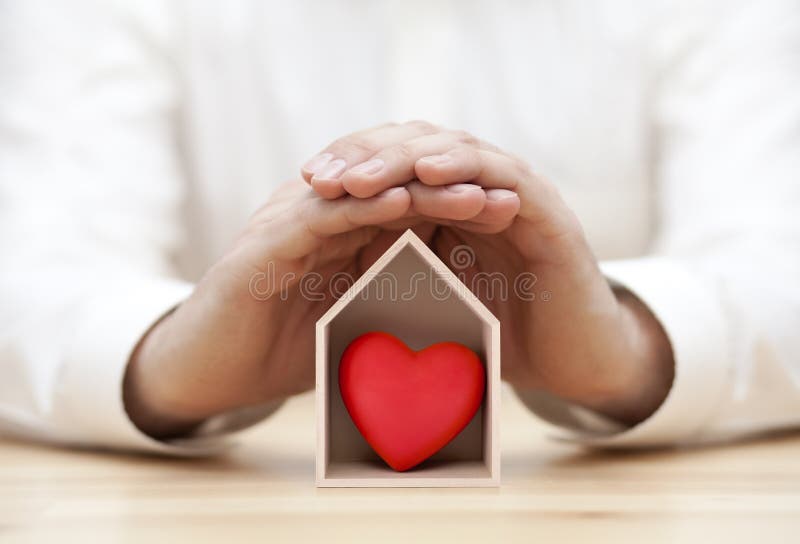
x: 434, y: 314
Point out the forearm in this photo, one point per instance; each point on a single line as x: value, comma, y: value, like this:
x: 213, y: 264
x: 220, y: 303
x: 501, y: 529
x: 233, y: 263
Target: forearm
x: 151, y: 412
x: 196, y: 362
x: 647, y: 371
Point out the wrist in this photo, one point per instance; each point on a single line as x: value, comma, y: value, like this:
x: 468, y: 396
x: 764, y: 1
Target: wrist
x: 147, y: 401
x: 643, y: 376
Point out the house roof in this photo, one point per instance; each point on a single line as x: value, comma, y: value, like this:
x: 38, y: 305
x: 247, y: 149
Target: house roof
x: 410, y: 239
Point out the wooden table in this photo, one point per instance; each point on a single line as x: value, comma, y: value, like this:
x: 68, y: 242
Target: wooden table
x: 264, y: 491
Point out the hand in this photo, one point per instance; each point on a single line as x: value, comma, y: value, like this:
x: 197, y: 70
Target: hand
x: 587, y: 344
x: 237, y: 342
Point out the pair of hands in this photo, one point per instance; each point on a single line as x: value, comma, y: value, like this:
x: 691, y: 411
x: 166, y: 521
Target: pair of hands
x: 246, y: 334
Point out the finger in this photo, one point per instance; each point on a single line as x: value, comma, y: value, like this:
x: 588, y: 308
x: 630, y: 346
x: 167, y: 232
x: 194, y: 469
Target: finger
x: 458, y: 165
x: 295, y: 231
x: 410, y: 221
x: 502, y: 207
x: 323, y: 170
x: 539, y: 199
x: 395, y: 164
x: 330, y: 217
x: 435, y: 206
x: 460, y: 201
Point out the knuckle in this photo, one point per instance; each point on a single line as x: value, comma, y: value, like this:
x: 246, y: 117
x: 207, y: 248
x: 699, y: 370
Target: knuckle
x: 352, y: 215
x: 302, y: 212
x: 465, y: 138
x: 467, y: 151
x: 490, y: 147
x: 404, y: 151
x: 353, y: 145
x: 522, y: 168
x: 423, y: 126
x: 307, y: 211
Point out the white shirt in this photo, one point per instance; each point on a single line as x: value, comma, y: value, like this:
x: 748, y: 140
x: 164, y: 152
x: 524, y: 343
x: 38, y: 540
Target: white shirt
x: 135, y: 139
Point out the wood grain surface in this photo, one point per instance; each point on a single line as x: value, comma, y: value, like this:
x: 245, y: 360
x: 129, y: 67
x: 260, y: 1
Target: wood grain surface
x: 263, y: 491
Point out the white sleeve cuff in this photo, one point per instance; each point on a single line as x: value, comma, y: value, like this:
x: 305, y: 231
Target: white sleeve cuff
x: 691, y: 315
x: 88, y: 400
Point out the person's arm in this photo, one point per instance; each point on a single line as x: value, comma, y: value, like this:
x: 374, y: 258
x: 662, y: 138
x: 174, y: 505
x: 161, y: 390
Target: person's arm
x: 90, y: 188
x: 697, y: 341
x: 90, y: 191
x: 723, y: 277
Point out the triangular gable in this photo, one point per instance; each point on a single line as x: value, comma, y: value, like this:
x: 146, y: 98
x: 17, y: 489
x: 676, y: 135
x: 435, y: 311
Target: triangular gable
x: 409, y: 238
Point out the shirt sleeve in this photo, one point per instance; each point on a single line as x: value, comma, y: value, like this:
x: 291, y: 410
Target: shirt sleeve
x: 90, y: 194
x: 722, y: 277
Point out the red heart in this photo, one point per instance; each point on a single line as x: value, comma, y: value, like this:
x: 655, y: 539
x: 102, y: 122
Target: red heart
x: 408, y: 405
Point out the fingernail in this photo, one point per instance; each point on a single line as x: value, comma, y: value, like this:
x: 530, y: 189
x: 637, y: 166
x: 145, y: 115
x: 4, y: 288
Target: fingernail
x: 372, y: 166
x: 437, y: 160
x: 331, y: 170
x: 316, y: 163
x: 462, y: 187
x: 500, y: 194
